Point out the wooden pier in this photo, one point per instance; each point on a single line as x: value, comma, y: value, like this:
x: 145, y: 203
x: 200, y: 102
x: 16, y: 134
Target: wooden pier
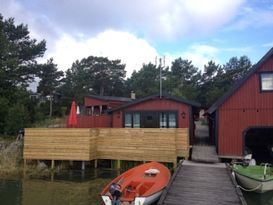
x: 204, y: 153
x: 202, y: 184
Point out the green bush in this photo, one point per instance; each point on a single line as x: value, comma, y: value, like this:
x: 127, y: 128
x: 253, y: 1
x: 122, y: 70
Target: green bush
x: 17, y: 119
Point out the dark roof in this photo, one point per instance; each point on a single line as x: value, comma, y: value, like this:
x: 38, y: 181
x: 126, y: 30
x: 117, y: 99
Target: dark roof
x: 110, y: 98
x: 155, y: 96
x: 254, y: 68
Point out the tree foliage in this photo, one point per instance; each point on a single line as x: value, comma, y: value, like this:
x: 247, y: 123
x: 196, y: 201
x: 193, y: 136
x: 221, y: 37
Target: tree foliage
x: 94, y: 75
x: 49, y: 78
x: 145, y: 81
x: 18, y: 67
x: 18, y: 53
x: 186, y: 78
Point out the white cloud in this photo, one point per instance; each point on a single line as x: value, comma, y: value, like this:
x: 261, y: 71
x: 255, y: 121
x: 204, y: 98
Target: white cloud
x: 199, y: 54
x: 156, y: 19
x: 131, y: 50
x: 252, y: 18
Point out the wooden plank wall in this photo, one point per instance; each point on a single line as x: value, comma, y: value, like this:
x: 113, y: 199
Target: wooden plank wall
x: 182, y: 142
x: 57, y: 144
x: 136, y: 144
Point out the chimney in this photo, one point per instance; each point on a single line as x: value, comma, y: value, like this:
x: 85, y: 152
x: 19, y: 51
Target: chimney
x: 133, y: 95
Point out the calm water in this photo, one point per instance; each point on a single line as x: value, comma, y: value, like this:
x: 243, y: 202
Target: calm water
x: 70, y: 188
x: 75, y: 188
x: 255, y: 198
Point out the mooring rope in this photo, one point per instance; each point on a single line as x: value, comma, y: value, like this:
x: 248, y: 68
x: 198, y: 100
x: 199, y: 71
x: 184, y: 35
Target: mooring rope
x: 249, y: 190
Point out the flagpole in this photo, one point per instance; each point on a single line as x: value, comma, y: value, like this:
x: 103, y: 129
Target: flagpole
x: 160, y: 78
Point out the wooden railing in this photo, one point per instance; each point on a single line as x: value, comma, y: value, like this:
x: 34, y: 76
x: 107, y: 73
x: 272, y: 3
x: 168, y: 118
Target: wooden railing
x: 139, y: 144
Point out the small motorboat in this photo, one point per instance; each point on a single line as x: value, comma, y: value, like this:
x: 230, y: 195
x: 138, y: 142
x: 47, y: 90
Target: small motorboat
x: 258, y: 178
x: 140, y: 185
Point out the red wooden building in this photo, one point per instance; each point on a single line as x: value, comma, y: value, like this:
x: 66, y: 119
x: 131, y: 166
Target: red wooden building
x: 149, y: 112
x: 96, y: 110
x: 242, y: 119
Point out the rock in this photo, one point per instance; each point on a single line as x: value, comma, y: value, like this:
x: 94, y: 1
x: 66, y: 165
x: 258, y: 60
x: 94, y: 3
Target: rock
x: 41, y: 165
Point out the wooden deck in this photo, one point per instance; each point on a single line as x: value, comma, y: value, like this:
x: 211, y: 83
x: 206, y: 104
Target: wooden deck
x: 202, y: 184
x: 134, y: 144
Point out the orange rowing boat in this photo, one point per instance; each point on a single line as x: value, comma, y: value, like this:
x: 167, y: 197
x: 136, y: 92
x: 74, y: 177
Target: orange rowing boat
x: 142, y: 184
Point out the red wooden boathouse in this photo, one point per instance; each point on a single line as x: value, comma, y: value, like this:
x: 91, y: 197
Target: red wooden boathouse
x: 243, y: 117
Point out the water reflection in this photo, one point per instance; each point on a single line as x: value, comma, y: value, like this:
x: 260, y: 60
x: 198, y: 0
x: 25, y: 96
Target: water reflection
x: 70, y: 188
x: 10, y: 192
x: 76, y: 188
x: 253, y: 198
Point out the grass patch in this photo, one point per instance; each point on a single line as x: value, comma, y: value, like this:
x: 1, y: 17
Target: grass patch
x: 51, y: 122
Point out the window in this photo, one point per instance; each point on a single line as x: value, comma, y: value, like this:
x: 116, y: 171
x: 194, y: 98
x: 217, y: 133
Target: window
x: 150, y: 119
x: 136, y: 120
x: 163, y: 119
x: 128, y: 120
x: 266, y: 81
x: 172, y: 120
x: 167, y: 120
x: 132, y: 120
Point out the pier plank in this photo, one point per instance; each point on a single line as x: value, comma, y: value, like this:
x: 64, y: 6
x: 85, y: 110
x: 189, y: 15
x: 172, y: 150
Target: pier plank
x: 199, y: 184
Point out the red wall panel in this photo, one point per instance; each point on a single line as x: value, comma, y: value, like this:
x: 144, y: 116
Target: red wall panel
x: 156, y: 105
x: 88, y: 101
x: 85, y: 121
x: 246, y: 107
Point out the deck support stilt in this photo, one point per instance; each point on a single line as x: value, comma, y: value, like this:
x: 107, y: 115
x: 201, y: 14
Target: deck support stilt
x: 95, y: 163
x: 25, y: 163
x: 71, y: 163
x: 25, y: 167
x: 174, y: 164
x: 52, y: 164
x: 52, y: 176
x: 83, y: 165
x: 118, y: 164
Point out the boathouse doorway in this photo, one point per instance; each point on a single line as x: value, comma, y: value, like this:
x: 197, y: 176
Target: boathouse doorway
x: 259, y: 142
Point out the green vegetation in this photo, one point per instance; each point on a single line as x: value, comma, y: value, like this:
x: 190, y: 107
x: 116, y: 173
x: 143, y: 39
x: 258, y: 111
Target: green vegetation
x: 20, y: 107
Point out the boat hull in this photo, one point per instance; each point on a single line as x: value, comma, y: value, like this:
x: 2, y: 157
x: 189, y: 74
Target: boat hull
x: 141, y: 185
x: 138, y: 200
x: 255, y: 185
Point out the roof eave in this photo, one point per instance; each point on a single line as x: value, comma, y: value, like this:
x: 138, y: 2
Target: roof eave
x: 239, y: 83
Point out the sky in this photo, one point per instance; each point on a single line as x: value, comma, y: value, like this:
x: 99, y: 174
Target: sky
x: 141, y: 31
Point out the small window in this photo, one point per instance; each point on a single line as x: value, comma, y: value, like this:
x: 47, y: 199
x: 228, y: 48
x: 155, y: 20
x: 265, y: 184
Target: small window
x: 128, y: 120
x: 266, y: 81
x: 136, y: 120
x: 132, y: 119
x: 163, y: 119
x: 172, y: 120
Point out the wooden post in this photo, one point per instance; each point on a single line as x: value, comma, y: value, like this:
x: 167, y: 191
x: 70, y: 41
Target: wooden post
x: 118, y: 164
x: 70, y: 163
x: 96, y: 164
x: 25, y: 163
x: 100, y: 109
x: 52, y: 164
x: 92, y: 110
x: 83, y: 165
x: 25, y: 167
x: 174, y: 164
x: 52, y: 176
